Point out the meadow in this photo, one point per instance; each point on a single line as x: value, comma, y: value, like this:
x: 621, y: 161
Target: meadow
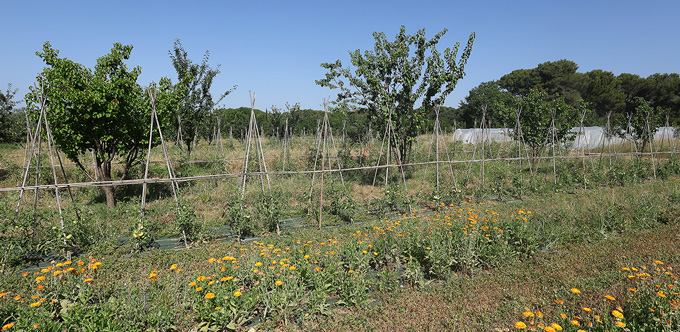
x: 573, y: 241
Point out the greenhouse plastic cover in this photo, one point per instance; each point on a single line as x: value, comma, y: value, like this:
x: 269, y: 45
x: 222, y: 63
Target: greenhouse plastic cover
x: 585, y: 138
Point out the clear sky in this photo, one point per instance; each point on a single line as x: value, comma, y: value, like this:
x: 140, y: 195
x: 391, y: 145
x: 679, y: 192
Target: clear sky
x: 274, y: 48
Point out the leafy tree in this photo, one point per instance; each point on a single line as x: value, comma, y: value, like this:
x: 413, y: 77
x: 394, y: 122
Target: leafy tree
x: 663, y: 90
x: 12, y: 127
x: 488, y: 94
x: 640, y: 122
x: 535, y: 119
x: 389, y: 80
x: 102, y: 110
x: 602, y: 91
x: 556, y: 79
x: 195, y: 80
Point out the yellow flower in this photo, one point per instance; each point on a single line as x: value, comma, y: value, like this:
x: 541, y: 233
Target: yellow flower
x: 198, y: 289
x: 40, y: 278
x: 7, y: 326
x: 620, y: 324
x: 173, y: 266
x: 575, y: 322
x: 609, y: 297
x: 658, y: 262
x: 557, y: 327
x: 661, y: 294
x: 258, y: 264
x: 218, y: 308
x: 549, y: 329
x: 209, y: 295
x: 528, y: 314
x: 35, y: 304
x: 617, y: 314
x: 539, y: 314
x: 520, y: 325
x: 237, y: 293
x: 575, y: 291
x: 587, y: 309
x: 88, y: 280
x: 292, y: 268
x: 192, y: 284
x: 278, y: 282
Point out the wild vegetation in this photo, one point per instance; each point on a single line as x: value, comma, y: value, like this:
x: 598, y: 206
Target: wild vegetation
x: 305, y: 220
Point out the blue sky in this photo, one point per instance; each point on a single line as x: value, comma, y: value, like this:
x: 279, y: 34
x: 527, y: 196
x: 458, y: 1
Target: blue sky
x: 274, y: 48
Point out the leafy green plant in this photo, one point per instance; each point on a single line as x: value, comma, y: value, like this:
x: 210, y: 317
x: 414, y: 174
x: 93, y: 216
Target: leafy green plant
x: 188, y: 224
x: 268, y: 208
x: 238, y: 218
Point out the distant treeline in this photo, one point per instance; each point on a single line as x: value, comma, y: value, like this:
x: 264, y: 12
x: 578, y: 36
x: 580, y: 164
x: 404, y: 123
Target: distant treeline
x: 599, y: 91
x: 354, y: 125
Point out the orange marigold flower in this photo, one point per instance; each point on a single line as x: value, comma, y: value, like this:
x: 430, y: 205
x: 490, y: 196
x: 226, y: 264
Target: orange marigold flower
x: 557, y: 327
x: 218, y: 308
x: 632, y: 290
x: 88, y: 280
x: 198, y: 289
x: 609, y: 297
x: 617, y: 314
x: 559, y: 301
x: 278, y: 282
x: 8, y: 326
x: 237, y: 293
x: 575, y: 291
x: 173, y: 266
x: 661, y: 294
x: 620, y: 324
x: 16, y: 298
x: 528, y: 314
x: 520, y: 325
x: 658, y: 262
x: 575, y: 322
x: 587, y: 309
x: 209, y: 295
x: 35, y: 304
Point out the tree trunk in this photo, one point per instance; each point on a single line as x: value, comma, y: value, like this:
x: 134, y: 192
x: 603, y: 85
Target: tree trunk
x: 104, y: 168
x: 110, y: 197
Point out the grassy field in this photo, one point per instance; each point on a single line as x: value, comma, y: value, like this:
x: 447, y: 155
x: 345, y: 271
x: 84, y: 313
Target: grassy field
x: 502, y: 249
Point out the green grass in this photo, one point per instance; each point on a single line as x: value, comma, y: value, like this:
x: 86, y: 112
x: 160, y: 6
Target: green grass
x: 461, y: 261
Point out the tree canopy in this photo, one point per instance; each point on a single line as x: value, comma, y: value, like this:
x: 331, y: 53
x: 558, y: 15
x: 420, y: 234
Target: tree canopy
x: 389, y: 80
x: 194, y: 82
x: 102, y: 110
